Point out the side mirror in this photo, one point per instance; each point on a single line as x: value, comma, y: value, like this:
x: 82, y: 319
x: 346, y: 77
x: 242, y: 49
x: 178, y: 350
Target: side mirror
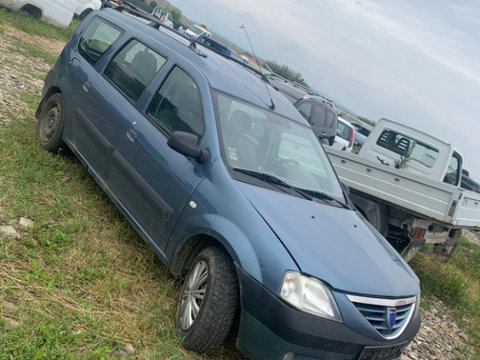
x: 187, y: 144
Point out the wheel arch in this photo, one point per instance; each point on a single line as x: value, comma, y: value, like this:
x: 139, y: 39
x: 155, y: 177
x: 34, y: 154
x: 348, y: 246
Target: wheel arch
x: 32, y: 10
x: 52, y: 90
x: 189, y: 249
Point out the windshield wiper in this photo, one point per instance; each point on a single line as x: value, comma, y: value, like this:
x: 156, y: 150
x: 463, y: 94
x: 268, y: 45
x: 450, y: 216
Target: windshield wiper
x: 280, y: 184
x: 271, y: 179
x: 321, y: 196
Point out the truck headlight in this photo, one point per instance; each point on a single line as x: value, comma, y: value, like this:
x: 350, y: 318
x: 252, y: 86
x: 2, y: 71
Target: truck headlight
x: 309, y: 295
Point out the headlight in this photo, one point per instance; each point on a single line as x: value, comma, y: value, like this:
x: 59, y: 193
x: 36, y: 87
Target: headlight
x: 309, y: 295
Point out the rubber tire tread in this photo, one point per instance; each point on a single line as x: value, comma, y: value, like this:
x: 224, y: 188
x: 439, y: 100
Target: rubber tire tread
x: 56, y: 142
x: 219, y: 306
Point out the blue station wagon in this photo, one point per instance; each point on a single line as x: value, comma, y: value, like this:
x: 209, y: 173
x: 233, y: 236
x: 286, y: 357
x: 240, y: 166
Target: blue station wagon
x: 229, y: 186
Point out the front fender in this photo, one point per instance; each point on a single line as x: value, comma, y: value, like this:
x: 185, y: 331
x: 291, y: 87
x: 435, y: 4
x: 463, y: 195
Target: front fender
x: 221, y: 211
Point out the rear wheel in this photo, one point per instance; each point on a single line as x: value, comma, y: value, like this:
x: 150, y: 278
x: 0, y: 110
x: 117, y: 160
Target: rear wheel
x: 208, y: 301
x: 50, y: 123
x: 32, y: 11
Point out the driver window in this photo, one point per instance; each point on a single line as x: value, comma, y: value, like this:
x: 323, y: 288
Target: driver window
x: 453, y: 171
x: 177, y: 105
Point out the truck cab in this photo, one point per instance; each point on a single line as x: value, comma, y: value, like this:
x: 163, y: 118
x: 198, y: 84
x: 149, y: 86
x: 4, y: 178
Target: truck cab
x: 402, y: 147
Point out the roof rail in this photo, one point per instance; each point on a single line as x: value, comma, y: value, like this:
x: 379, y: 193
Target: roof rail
x: 306, y: 88
x: 156, y: 23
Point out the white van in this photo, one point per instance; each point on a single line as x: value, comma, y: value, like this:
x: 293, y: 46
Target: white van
x: 56, y: 12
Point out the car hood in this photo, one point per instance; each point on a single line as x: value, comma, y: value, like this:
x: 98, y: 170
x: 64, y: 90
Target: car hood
x: 334, y: 244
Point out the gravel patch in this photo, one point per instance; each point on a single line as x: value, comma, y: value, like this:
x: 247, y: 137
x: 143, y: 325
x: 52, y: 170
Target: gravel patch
x: 439, y: 337
x: 18, y: 74
x: 472, y: 237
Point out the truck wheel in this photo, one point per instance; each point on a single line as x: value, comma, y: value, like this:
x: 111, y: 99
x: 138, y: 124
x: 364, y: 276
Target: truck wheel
x: 208, y: 301
x: 32, y: 11
x: 50, y: 123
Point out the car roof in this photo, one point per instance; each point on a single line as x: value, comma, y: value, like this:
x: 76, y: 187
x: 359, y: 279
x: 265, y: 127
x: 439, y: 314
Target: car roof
x: 222, y: 73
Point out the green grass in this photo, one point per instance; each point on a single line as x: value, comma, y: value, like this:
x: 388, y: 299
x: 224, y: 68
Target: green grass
x: 83, y: 282
x: 36, y: 27
x: 32, y: 50
x: 457, y: 284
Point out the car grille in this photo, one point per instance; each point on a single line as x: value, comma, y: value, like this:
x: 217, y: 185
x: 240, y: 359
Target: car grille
x: 389, y: 317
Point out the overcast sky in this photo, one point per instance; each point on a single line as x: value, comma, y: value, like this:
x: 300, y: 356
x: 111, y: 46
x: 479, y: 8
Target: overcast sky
x: 415, y: 62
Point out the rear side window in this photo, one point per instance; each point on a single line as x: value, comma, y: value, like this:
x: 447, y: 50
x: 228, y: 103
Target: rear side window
x: 177, y: 105
x: 132, y: 69
x: 343, y: 130
x: 306, y: 110
x: 97, y: 39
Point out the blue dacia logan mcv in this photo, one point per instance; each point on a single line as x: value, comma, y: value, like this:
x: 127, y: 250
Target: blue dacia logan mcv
x: 228, y: 184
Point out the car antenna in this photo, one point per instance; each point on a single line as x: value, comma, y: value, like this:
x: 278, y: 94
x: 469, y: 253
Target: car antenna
x: 264, y: 78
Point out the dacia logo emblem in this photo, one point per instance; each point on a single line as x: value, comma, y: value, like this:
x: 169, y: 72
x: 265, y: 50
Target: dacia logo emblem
x: 391, y: 317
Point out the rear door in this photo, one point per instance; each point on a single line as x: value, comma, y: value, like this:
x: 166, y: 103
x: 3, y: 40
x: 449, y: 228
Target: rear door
x: 323, y: 120
x: 92, y: 104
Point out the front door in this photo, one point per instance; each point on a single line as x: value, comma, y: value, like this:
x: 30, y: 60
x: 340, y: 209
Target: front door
x: 152, y: 180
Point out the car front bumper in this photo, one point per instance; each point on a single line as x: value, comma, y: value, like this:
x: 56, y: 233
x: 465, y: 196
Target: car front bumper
x: 271, y: 329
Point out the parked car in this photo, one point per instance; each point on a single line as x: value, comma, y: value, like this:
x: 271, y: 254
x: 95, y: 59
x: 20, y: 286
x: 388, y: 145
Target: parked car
x: 58, y: 13
x: 219, y: 47
x: 233, y: 194
x: 195, y: 31
x: 345, y: 136
x: 361, y: 133
x: 84, y: 7
x: 470, y: 184
x: 318, y: 111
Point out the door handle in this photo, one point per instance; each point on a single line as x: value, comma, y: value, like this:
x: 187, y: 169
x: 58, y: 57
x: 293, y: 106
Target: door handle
x: 132, y: 135
x: 72, y: 64
x: 86, y: 86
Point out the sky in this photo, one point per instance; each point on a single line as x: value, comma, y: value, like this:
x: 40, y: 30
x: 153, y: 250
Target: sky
x: 415, y: 62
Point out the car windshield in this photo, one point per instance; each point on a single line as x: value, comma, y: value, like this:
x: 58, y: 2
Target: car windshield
x: 262, y: 142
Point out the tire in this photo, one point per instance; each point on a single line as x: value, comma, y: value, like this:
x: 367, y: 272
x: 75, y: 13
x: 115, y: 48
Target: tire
x: 331, y: 140
x: 32, y: 11
x: 203, y: 324
x: 50, y: 123
x: 85, y: 13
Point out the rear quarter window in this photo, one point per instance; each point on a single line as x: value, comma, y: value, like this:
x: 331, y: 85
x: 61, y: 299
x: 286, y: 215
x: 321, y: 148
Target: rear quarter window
x: 99, y: 36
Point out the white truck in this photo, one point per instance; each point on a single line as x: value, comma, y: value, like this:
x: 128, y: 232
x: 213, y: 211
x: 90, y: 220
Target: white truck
x: 407, y: 185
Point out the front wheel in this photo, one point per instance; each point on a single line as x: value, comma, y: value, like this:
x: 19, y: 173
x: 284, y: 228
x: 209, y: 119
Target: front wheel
x: 208, y: 301
x: 50, y: 123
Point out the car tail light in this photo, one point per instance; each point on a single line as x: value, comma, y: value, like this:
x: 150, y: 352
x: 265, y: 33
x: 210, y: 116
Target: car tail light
x: 352, y: 136
x: 417, y: 233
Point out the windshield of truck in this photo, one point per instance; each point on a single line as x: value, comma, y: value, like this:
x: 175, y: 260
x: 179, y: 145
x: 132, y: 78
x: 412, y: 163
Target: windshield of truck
x: 262, y: 142
x: 403, y: 145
